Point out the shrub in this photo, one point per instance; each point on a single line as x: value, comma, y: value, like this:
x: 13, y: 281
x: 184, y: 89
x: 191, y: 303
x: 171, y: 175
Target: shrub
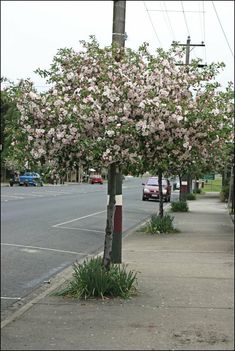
x: 159, y: 225
x: 179, y: 206
x: 91, y: 279
x: 191, y: 196
x: 197, y: 191
x: 224, y: 194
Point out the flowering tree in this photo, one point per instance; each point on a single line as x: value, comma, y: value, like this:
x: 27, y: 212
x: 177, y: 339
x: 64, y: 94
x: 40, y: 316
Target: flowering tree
x: 210, y: 129
x: 12, y: 138
x: 173, y: 128
x: 88, y: 115
x: 186, y: 127
x: 127, y: 113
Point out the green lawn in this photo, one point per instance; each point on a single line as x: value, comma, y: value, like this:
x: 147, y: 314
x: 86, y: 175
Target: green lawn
x: 212, y: 185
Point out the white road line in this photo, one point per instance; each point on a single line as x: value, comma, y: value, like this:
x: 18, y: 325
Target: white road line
x: 51, y: 192
x: 77, y: 219
x: 41, y: 193
x: 86, y: 230
x: 10, y: 298
x: 29, y: 195
x: 185, y: 251
x: 44, y: 248
x: 14, y: 196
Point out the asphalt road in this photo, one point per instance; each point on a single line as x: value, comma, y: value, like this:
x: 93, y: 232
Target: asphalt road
x: 45, y: 229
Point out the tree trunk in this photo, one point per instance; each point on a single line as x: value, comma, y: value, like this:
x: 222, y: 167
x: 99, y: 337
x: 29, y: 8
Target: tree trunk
x: 110, y: 216
x: 189, y: 186
x: 195, y: 184
x: 224, y: 175
x: 183, y: 188
x: 160, y: 194
x: 117, y: 222
x: 77, y: 173
x: 180, y: 180
x: 231, y: 191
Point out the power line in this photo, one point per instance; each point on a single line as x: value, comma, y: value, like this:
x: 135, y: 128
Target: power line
x: 202, y: 24
x: 152, y: 24
x: 201, y: 21
x: 204, y: 28
x: 222, y: 29
x: 174, y: 11
x: 204, y: 21
x: 185, y: 17
x: 168, y: 18
x: 164, y: 15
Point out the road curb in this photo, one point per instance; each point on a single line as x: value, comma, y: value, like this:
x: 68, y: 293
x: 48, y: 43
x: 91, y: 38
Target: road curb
x: 55, y: 282
x: 59, y: 279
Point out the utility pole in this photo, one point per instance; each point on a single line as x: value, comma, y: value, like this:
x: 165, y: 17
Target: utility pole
x: 119, y: 37
x: 186, y: 183
x: 119, y: 19
x: 188, y: 50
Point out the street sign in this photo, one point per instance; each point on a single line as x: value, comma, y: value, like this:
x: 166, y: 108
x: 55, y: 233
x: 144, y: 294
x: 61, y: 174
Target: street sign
x: 209, y: 176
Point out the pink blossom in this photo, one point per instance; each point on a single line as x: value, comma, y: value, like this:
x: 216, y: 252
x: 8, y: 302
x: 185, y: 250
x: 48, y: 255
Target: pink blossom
x: 33, y: 96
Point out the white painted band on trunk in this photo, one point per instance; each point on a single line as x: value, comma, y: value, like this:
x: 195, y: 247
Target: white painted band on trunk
x: 118, y: 199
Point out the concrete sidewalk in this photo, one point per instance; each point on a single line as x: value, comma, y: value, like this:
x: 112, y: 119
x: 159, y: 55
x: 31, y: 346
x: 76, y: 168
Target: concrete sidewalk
x: 185, y: 300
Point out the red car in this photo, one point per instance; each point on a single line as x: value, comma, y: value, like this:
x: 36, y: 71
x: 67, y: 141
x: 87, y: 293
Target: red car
x: 151, y: 189
x: 96, y: 179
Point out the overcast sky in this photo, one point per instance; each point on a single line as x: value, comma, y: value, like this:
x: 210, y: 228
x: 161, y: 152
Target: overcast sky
x: 33, y: 31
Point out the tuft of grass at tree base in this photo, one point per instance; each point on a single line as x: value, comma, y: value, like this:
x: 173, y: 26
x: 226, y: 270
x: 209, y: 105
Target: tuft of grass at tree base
x: 92, y: 280
x: 160, y: 225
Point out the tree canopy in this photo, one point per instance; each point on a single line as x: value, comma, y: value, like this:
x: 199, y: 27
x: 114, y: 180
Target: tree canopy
x: 131, y: 107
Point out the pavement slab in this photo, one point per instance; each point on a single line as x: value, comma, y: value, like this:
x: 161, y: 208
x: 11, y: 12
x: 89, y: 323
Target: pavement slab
x: 185, y: 298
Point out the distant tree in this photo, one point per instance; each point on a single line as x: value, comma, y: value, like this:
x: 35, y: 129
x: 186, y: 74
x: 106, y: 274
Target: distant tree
x: 211, y: 131
x: 187, y: 117
x: 12, y: 135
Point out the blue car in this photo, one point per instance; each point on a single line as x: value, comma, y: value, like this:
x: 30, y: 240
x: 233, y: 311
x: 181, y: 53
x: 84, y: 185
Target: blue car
x: 30, y: 178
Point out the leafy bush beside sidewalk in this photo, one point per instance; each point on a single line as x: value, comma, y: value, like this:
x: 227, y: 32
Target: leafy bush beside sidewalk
x: 191, y: 196
x: 224, y: 193
x: 91, y: 279
x: 160, y: 225
x: 198, y: 191
x: 179, y: 206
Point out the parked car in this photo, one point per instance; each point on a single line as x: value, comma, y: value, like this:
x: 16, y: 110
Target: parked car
x: 30, y: 178
x: 151, y: 189
x: 96, y: 179
x: 14, y: 179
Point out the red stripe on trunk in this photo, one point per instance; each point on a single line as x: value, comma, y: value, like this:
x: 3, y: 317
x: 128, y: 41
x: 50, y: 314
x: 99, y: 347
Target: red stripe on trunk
x: 118, y: 220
